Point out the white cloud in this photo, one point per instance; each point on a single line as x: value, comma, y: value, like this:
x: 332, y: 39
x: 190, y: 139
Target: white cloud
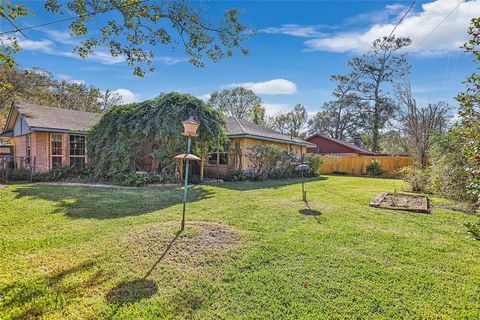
x: 170, y: 60
x: 127, y: 95
x: 44, y: 45
x: 449, y: 36
x: 275, y: 86
x: 294, y: 30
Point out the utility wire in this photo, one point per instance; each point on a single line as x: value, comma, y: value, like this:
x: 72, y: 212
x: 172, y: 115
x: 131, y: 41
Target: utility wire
x: 68, y: 19
x: 403, y: 17
x: 438, y: 25
x: 13, y: 24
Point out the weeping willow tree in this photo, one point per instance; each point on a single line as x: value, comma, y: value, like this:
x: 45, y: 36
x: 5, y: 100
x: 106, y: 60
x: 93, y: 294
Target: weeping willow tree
x: 147, y: 135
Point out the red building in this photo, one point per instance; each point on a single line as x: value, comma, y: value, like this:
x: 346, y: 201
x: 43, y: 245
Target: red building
x: 327, y: 145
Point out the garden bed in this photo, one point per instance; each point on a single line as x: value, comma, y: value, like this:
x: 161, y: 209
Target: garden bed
x: 400, y: 201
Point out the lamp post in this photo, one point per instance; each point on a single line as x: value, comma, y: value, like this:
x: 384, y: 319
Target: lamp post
x: 302, y: 168
x: 190, y: 127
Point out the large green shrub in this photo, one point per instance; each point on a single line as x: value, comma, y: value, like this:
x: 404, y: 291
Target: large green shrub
x: 448, y: 176
x: 269, y: 161
x: 146, y: 136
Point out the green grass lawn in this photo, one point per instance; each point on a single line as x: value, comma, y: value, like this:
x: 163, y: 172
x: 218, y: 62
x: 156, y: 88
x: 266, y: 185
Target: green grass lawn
x: 250, y: 251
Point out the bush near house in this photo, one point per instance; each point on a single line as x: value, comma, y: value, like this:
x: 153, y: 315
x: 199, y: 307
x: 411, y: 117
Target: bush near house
x: 269, y: 162
x: 146, y: 136
x: 19, y: 174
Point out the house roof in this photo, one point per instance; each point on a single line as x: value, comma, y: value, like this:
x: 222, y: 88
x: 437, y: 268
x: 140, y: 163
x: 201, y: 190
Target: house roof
x: 357, y: 149
x: 43, y: 118
x: 241, y: 128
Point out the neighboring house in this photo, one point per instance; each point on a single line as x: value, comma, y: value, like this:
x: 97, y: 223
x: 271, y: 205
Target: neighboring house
x: 45, y: 137
x: 242, y: 136
x: 327, y: 145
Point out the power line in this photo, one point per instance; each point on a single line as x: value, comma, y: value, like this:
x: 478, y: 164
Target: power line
x: 68, y: 19
x: 13, y: 24
x: 438, y: 25
x: 403, y: 17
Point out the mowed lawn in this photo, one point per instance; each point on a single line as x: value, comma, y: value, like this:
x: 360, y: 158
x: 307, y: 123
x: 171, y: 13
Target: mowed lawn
x: 250, y: 251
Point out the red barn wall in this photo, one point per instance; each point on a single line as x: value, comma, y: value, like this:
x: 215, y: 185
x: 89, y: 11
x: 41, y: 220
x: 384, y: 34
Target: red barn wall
x: 328, y: 146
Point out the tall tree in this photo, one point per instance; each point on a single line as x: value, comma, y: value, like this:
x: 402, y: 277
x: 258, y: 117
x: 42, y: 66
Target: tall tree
x: 290, y: 123
x: 237, y: 102
x: 133, y: 29
x: 342, y: 117
x: 258, y: 115
x: 420, y: 124
x: 280, y: 123
x: 383, y: 64
x: 469, y: 128
x: 298, y: 117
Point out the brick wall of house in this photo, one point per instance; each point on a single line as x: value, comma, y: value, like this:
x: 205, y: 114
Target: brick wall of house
x: 41, y: 151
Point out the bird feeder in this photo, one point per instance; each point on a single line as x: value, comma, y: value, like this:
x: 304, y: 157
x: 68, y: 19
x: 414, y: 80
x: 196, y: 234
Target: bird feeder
x: 190, y: 127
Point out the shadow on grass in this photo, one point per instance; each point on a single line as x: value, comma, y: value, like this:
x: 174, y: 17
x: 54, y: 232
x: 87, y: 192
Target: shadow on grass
x: 132, y: 291
x: 32, y: 297
x: 310, y: 212
x: 268, y: 184
x: 102, y: 203
x: 138, y: 289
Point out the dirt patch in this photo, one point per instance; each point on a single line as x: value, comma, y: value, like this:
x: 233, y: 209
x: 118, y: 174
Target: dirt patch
x: 201, y: 244
x: 400, y: 201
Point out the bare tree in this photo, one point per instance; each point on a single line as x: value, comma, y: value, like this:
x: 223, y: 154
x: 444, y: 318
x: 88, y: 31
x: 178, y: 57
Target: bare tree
x: 419, y: 124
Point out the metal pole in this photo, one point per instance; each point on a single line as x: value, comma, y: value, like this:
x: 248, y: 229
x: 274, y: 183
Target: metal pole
x: 185, y: 188
x: 303, y: 189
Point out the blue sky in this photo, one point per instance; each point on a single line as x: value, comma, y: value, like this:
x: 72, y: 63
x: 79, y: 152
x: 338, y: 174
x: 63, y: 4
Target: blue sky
x: 297, y: 47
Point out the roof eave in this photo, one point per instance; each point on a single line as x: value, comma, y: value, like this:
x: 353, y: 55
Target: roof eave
x: 4, y: 130
x: 258, y: 137
x: 55, y: 130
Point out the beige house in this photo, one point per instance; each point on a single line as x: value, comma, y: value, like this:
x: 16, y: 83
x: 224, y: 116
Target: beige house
x: 243, y: 135
x: 43, y: 138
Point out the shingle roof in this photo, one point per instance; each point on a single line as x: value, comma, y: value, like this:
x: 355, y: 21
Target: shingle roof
x: 243, y: 128
x: 41, y: 117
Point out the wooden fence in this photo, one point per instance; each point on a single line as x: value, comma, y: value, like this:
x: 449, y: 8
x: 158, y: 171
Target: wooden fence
x: 357, y: 164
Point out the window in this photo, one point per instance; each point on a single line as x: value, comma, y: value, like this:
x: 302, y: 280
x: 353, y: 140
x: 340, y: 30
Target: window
x: 56, y: 150
x: 77, y: 152
x: 223, y: 158
x: 28, y: 145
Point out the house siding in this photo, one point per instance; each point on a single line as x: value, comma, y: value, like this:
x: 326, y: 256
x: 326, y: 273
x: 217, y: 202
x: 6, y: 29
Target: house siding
x: 325, y: 145
x: 223, y: 171
x: 246, y: 144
